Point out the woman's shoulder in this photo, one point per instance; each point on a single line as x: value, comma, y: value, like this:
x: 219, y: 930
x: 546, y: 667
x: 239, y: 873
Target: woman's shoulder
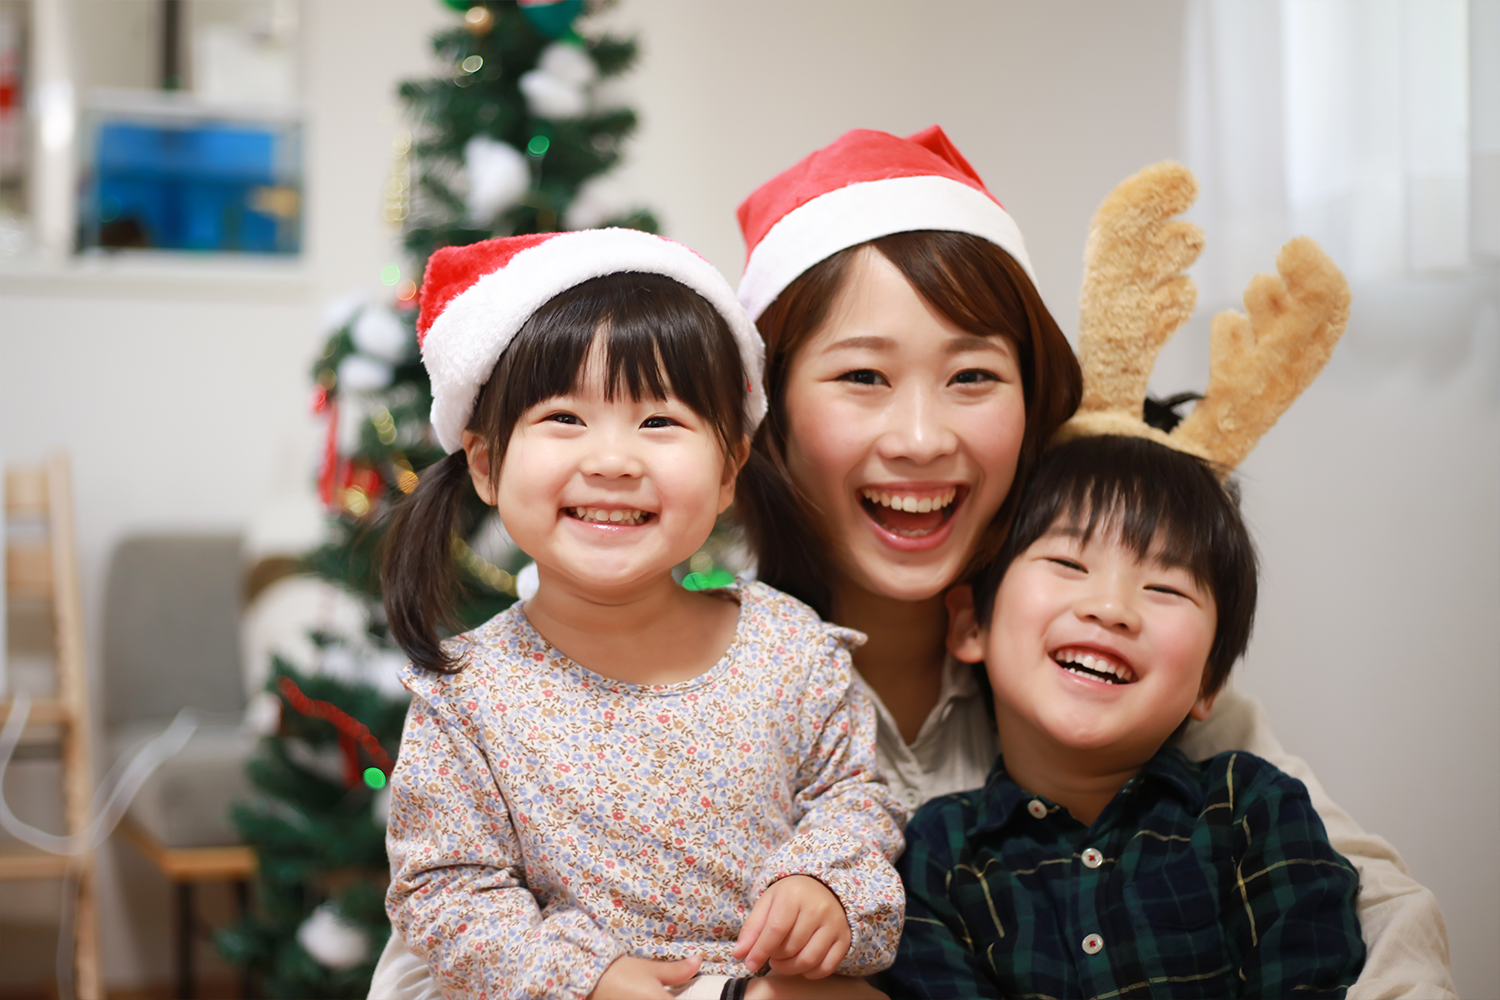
x: 768, y: 613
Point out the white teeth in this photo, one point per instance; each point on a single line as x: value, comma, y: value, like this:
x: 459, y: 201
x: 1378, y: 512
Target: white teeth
x: 600, y: 515
x: 913, y: 504
x: 1069, y: 658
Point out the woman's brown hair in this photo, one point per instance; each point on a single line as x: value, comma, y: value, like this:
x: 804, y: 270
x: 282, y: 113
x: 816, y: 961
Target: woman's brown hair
x: 975, y: 285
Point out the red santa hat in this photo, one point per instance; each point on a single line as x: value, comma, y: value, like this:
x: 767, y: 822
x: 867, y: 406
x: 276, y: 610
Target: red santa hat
x: 475, y: 298
x: 864, y: 185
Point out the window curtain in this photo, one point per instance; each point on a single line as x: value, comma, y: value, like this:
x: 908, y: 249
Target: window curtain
x: 1360, y: 123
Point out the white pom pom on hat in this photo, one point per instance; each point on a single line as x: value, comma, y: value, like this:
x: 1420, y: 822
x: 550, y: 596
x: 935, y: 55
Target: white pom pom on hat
x: 864, y: 185
x: 475, y: 299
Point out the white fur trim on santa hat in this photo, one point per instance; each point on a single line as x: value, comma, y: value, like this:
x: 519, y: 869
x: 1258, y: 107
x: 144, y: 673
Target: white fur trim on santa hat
x: 865, y: 211
x: 467, y: 338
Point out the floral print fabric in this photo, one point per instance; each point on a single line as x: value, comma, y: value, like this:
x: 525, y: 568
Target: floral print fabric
x: 546, y: 820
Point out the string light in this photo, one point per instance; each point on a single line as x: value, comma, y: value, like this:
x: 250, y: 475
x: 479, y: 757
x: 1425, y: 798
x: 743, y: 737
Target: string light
x: 488, y: 573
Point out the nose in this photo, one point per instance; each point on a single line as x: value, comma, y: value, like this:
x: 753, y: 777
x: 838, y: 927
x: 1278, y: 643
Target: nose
x: 1108, y: 602
x: 611, y: 456
x: 916, y: 426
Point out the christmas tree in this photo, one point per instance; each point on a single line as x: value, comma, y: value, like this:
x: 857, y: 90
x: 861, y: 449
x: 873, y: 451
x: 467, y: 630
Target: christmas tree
x: 518, y: 138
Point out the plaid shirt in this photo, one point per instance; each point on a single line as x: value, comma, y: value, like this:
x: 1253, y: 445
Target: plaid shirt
x: 1197, y: 880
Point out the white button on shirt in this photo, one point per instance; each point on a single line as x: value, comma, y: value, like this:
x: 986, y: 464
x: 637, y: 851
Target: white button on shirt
x: 1037, y: 808
x: 1093, y: 944
x: 1092, y: 858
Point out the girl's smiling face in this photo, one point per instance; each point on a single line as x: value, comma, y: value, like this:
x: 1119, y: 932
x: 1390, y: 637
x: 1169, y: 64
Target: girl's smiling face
x: 607, y: 495
x: 1092, y: 648
x: 904, y: 431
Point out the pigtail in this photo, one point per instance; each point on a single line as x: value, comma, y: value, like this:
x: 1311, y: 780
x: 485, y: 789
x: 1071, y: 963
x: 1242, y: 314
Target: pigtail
x: 416, y: 576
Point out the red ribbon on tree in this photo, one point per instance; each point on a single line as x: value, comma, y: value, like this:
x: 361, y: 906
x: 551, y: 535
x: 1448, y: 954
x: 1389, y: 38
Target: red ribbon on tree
x: 352, y: 732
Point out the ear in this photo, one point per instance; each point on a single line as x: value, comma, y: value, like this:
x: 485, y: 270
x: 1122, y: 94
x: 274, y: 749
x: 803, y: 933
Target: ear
x: 1203, y: 707
x: 965, y: 635
x: 733, y: 463
x: 477, y: 449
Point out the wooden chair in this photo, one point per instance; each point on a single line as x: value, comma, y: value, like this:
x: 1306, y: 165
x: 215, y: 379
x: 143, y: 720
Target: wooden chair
x: 172, y: 608
x: 41, y: 570
x: 185, y: 867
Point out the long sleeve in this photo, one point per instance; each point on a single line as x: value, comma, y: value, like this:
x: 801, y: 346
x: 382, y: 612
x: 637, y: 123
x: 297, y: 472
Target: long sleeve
x: 1405, y: 938
x: 936, y: 955
x: 848, y: 824
x: 458, y: 892
x: 1289, y: 911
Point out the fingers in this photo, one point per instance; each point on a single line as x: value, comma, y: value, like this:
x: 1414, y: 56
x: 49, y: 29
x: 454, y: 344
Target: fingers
x: 818, y: 957
x: 678, y: 972
x: 751, y: 931
x: 629, y: 978
x: 765, y: 938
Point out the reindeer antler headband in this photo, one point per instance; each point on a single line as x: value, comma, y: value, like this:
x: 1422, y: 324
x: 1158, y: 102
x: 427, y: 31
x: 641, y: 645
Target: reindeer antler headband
x: 1135, y: 295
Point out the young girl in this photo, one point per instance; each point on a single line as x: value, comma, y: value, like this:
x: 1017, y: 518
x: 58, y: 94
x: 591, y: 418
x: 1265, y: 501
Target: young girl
x: 621, y: 783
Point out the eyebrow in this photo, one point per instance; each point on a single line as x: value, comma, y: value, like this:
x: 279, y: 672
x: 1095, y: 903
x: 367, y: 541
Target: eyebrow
x: 960, y: 344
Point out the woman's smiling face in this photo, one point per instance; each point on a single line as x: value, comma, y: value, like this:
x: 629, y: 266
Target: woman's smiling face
x: 903, y: 433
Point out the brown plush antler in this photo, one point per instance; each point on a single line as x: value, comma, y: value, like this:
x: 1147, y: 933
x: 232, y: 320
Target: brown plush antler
x: 1260, y: 364
x: 1134, y: 292
x: 1135, y: 296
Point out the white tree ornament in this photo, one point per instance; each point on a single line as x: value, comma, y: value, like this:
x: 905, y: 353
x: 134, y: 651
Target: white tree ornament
x: 331, y: 940
x: 359, y: 373
x: 548, y: 96
x: 568, y: 63
x: 379, y: 333
x: 498, y: 177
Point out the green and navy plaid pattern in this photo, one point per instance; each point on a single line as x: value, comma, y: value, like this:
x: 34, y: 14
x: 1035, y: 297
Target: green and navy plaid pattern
x: 1197, y: 880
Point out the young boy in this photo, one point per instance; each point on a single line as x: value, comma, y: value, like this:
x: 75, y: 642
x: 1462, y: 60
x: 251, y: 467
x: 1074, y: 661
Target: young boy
x: 1098, y: 861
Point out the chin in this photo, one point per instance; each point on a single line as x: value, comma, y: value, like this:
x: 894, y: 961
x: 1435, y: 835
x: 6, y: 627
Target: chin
x: 904, y: 583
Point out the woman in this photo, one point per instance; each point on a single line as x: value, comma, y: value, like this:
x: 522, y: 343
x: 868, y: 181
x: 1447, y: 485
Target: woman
x: 913, y: 376
x: 872, y: 267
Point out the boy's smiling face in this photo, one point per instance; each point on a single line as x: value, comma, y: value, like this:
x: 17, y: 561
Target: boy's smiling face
x: 1091, y: 648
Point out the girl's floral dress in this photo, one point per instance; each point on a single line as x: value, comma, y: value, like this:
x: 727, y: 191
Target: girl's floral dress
x: 546, y: 820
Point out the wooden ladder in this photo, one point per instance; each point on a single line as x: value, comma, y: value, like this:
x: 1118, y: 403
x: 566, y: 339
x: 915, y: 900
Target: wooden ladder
x: 41, y: 570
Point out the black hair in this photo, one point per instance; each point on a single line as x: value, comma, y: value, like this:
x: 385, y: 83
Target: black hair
x: 659, y: 338
x: 1163, y: 504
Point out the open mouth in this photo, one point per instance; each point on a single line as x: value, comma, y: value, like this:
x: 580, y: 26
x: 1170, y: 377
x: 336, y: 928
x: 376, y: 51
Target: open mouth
x: 1094, y: 664
x: 622, y: 516
x: 910, y: 514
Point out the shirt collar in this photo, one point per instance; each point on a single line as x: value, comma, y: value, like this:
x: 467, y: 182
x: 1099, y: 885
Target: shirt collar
x: 959, y: 683
x: 1169, y: 768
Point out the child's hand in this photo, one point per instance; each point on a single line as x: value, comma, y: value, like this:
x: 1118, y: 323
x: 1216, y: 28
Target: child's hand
x: 628, y: 978
x: 797, y: 925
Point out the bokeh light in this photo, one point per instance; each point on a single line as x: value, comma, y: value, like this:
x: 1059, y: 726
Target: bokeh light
x: 374, y: 777
x: 538, y: 145
x: 390, y: 274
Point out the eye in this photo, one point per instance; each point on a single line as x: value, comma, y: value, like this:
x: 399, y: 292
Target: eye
x: 563, y: 417
x: 863, y: 376
x: 1066, y: 563
x: 974, y: 376
x: 660, y: 421
x: 1161, y: 588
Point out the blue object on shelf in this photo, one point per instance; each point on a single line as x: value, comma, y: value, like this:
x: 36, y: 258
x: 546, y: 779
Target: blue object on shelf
x: 206, y: 186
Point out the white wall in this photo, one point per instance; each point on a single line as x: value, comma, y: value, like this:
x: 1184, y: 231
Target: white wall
x: 181, y: 392
x: 1376, y: 501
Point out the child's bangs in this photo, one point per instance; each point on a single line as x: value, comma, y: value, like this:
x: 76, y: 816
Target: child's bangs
x: 1158, y: 522
x: 659, y: 339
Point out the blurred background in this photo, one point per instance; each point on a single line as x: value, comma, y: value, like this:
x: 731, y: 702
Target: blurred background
x: 171, y: 342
